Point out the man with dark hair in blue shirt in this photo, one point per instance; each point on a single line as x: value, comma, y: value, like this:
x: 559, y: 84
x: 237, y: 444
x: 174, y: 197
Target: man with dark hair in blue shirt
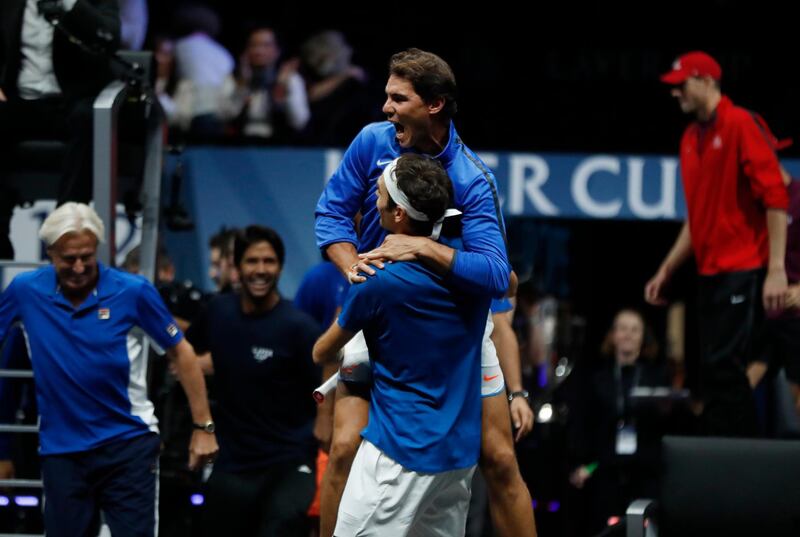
x: 98, y: 433
x: 259, y: 346
x: 424, y: 340
x: 420, y: 105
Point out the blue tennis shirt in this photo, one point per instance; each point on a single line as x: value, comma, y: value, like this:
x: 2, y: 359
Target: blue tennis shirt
x: 425, y: 349
x: 90, y: 375
x: 481, y: 266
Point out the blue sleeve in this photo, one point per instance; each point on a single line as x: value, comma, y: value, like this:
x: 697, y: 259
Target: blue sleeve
x: 9, y: 309
x: 155, y: 319
x: 361, y: 304
x: 501, y: 305
x: 343, y: 196
x: 321, y: 293
x: 483, y: 264
x: 305, y: 296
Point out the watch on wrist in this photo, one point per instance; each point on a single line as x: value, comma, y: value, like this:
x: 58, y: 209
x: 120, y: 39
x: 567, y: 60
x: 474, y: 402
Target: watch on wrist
x: 207, y: 427
x: 520, y: 393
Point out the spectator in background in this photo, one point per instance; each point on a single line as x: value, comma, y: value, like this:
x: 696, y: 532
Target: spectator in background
x: 338, y: 93
x: 259, y: 346
x: 205, y: 65
x: 265, y: 102
x: 182, y: 298
x: 615, y: 442
x: 174, y: 95
x: 736, y: 228
x: 134, y: 16
x: 48, y: 83
x: 222, y: 269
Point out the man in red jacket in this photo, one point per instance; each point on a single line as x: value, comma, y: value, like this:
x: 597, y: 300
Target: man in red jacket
x: 736, y: 229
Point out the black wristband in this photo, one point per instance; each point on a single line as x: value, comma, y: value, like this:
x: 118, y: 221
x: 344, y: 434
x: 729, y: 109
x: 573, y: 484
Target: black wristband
x: 208, y: 427
x: 520, y: 393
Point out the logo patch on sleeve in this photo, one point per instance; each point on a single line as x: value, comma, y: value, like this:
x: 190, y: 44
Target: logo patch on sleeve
x: 172, y: 330
x: 104, y: 314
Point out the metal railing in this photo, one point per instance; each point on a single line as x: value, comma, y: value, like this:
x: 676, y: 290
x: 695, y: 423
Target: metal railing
x: 105, y: 122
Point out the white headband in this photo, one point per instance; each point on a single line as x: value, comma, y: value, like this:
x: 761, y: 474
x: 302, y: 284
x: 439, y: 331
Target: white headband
x: 401, y: 200
x: 399, y: 197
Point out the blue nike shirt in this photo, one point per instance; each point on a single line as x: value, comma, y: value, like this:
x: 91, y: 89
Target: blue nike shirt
x: 482, y: 265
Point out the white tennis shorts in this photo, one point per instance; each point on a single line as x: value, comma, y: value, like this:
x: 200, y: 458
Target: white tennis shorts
x: 384, y: 499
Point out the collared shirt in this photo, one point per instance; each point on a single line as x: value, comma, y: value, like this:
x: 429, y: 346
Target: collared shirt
x: 90, y: 378
x: 37, y: 78
x: 730, y: 178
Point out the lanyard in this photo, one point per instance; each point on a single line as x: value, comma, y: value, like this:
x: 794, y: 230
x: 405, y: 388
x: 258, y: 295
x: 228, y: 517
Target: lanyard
x: 620, y: 389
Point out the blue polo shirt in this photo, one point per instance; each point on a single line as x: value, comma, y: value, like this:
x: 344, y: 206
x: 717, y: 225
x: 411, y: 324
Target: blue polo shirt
x: 90, y: 375
x: 425, y: 349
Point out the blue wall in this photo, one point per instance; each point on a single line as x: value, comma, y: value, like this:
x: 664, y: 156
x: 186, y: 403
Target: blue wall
x: 280, y: 187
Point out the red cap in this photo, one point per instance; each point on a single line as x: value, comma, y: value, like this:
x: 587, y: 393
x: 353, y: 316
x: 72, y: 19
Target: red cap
x: 694, y: 63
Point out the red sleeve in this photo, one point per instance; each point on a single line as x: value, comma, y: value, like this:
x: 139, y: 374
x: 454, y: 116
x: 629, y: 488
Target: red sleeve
x: 760, y: 165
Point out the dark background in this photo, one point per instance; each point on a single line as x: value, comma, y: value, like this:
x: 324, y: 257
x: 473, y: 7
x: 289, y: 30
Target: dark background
x: 563, y: 77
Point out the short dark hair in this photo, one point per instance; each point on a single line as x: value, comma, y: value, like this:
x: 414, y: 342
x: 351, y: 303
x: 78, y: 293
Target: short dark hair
x: 223, y: 240
x: 251, y: 235
x: 427, y: 186
x: 430, y: 76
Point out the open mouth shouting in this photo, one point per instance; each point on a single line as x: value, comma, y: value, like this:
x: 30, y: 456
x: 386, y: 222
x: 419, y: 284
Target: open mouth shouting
x: 401, y: 134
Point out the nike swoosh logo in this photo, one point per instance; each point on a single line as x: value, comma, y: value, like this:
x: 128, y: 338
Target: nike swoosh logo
x: 487, y: 379
x: 384, y: 162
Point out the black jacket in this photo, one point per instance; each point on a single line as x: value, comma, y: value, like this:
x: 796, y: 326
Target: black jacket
x: 79, y: 73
